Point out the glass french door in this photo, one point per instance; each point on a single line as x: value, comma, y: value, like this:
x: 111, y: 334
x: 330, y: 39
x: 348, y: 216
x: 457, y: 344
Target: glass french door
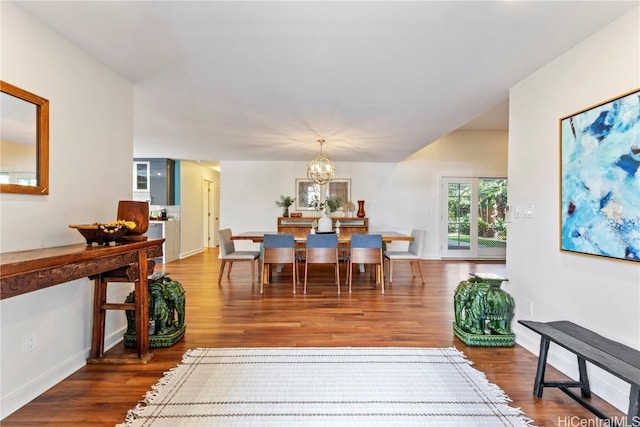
x: 474, y: 218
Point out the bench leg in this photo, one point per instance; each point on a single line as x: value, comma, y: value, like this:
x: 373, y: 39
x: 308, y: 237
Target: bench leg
x: 584, y: 378
x: 633, y: 416
x: 538, y: 385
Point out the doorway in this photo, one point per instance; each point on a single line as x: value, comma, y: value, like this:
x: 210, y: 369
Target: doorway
x: 210, y: 205
x: 474, y: 222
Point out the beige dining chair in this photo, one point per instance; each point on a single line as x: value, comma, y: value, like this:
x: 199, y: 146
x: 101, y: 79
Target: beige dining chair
x: 322, y: 249
x: 412, y: 254
x: 228, y: 254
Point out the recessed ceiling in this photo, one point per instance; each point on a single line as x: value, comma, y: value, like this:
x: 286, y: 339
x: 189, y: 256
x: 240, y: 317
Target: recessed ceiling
x: 264, y: 80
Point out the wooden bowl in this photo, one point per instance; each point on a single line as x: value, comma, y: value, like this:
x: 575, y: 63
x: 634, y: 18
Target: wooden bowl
x: 94, y: 233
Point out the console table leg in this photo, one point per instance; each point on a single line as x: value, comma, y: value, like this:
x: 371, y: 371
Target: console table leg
x: 142, y: 306
x: 99, y: 316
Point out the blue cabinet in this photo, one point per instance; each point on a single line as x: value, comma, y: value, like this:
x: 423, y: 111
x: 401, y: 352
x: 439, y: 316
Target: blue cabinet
x: 162, y: 180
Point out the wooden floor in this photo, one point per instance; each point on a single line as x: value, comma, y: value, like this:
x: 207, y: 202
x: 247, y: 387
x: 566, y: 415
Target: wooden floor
x: 234, y: 314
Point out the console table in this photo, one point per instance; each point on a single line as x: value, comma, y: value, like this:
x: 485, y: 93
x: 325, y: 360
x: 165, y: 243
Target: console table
x: 302, y: 224
x: 28, y: 271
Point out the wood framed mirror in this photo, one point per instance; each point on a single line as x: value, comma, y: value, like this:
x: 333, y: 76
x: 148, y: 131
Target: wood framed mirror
x: 24, y: 139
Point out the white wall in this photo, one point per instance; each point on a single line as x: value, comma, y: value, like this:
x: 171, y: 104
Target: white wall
x: 92, y: 115
x: 600, y: 294
x: 91, y: 128
x: 398, y: 196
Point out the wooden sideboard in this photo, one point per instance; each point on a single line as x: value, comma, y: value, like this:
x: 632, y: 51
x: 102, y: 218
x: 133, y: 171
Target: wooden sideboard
x: 302, y: 224
x: 28, y: 271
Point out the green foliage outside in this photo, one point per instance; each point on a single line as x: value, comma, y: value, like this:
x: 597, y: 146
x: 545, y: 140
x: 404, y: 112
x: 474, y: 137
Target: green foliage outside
x: 492, y: 208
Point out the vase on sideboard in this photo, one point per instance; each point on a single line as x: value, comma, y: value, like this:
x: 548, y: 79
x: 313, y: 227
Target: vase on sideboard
x: 361, y: 213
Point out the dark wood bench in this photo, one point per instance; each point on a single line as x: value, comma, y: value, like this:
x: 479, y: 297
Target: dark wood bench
x: 611, y: 356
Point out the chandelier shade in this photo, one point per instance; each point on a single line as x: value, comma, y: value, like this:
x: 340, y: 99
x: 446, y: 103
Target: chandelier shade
x: 321, y: 169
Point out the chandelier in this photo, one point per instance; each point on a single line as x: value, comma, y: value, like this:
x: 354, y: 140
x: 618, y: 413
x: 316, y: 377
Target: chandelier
x: 320, y: 170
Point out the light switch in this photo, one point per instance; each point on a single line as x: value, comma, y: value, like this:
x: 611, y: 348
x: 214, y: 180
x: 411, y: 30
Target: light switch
x: 528, y: 211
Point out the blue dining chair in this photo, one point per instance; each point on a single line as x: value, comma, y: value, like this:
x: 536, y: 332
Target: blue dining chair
x: 366, y: 249
x: 278, y: 249
x: 322, y: 249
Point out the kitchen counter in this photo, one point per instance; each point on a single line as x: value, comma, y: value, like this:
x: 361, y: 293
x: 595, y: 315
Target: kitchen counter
x: 168, y: 230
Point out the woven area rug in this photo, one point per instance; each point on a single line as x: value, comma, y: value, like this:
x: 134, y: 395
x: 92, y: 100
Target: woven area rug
x: 325, y: 387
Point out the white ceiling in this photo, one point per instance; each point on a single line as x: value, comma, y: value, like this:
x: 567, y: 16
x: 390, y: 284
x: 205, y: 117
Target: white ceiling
x: 264, y: 80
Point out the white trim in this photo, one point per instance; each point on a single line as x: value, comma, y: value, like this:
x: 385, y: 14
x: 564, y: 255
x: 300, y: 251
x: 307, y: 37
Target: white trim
x: 190, y: 253
x: 34, y: 388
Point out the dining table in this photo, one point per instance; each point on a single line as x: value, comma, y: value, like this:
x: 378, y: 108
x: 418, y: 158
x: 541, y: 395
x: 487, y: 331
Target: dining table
x: 343, y: 238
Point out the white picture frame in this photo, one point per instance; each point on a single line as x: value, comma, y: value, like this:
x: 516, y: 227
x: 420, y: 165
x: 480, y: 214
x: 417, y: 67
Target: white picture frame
x: 339, y: 187
x: 305, y: 192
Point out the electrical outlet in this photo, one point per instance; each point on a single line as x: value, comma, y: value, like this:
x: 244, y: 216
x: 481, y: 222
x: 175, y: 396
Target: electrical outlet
x: 528, y: 307
x: 29, y: 342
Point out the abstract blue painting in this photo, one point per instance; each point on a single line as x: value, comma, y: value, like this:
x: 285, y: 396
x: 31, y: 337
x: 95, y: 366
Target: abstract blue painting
x: 600, y: 173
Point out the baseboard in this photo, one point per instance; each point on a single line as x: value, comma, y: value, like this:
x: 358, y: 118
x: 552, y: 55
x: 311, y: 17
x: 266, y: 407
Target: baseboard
x: 190, y: 253
x: 51, y: 377
x: 603, y: 384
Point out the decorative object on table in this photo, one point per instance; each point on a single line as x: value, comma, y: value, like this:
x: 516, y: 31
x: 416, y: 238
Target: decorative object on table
x: 361, y: 213
x: 600, y: 165
x: 137, y: 212
x: 338, y: 386
x: 104, y: 234
x: 320, y: 169
x: 325, y: 224
x: 483, y: 312
x: 296, y: 215
x: 285, y: 202
x: 166, y: 313
x: 349, y: 207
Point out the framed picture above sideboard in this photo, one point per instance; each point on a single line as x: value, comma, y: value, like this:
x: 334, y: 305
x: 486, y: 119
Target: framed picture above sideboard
x: 307, y: 192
